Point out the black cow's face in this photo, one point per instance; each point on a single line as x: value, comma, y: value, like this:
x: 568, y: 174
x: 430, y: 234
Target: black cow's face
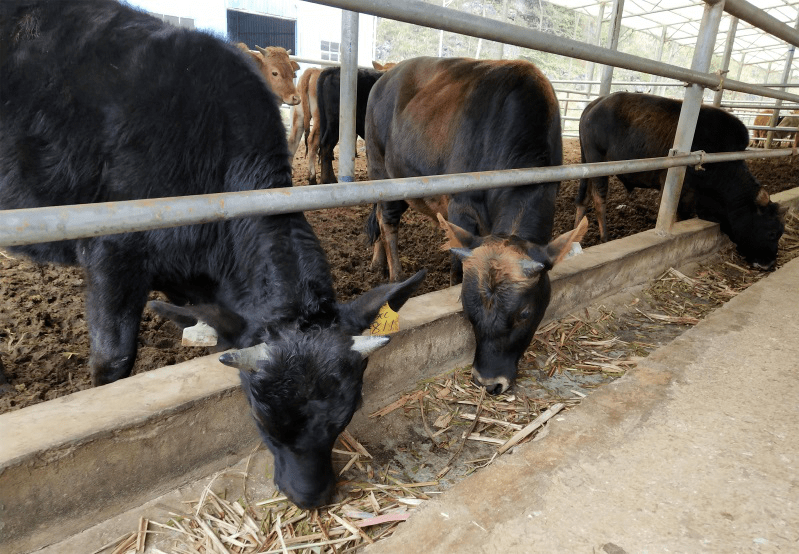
x: 303, y: 383
x: 303, y: 388
x: 505, y: 293
x: 757, y: 235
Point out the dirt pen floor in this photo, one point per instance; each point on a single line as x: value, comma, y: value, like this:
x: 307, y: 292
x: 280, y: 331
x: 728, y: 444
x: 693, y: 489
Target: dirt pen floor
x: 44, y: 345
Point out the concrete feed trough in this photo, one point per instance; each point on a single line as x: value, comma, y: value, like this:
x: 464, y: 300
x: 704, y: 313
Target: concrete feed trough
x: 70, y: 463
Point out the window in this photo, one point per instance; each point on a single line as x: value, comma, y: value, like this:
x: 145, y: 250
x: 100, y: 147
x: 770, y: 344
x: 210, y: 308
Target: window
x: 330, y: 50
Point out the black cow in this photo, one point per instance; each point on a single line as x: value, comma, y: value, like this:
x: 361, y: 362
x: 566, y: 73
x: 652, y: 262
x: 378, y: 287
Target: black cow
x: 626, y: 125
x: 431, y: 116
x: 100, y: 102
x: 328, y: 90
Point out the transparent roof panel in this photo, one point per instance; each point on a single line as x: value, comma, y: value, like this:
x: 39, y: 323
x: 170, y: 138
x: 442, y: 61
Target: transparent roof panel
x: 682, y: 19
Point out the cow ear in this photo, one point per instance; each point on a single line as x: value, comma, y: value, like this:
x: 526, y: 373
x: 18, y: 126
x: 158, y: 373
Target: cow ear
x: 246, y: 359
x: 762, y: 198
x: 559, y: 247
x: 456, y: 236
x: 377, y: 65
x: 357, y: 315
x: 228, y: 325
x: 294, y: 65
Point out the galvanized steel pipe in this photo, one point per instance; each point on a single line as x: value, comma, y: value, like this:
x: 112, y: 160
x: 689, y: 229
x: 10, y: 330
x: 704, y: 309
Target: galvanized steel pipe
x: 429, y: 15
x: 55, y: 223
x: 348, y: 96
x: 689, y: 113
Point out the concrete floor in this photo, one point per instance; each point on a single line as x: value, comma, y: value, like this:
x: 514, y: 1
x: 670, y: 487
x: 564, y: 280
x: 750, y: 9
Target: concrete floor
x: 696, y: 450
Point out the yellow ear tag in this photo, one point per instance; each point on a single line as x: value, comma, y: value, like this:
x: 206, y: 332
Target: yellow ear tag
x: 386, y: 322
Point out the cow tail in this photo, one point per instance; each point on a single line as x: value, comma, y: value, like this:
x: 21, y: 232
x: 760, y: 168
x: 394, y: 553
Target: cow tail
x: 320, y: 104
x: 372, y: 227
x: 582, y: 191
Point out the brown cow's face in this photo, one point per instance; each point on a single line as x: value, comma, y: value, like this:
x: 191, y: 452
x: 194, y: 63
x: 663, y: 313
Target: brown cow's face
x: 505, y: 293
x: 278, y: 70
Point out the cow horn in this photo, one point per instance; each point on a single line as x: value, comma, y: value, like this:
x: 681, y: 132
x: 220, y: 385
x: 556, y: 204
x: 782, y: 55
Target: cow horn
x: 462, y: 254
x: 262, y: 50
x: 762, y: 198
x: 246, y: 358
x: 530, y: 268
x: 366, y: 345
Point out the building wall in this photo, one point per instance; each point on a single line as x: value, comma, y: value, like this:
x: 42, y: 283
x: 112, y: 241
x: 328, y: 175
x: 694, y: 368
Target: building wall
x: 315, y: 23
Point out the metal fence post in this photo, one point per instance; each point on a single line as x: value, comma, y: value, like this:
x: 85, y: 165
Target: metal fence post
x: 689, y: 114
x: 786, y: 74
x: 348, y: 97
x: 615, y: 29
x: 725, y: 62
x: 589, y: 70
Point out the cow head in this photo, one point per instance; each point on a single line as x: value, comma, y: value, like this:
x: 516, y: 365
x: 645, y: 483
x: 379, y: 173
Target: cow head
x: 303, y: 385
x: 279, y: 71
x: 505, y: 293
x: 756, y: 230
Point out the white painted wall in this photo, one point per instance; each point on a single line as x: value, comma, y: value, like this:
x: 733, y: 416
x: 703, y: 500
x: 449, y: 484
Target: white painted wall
x: 208, y: 15
x: 315, y: 22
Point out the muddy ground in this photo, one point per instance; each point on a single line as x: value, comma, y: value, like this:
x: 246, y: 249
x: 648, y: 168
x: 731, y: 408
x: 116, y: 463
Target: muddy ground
x: 44, y: 344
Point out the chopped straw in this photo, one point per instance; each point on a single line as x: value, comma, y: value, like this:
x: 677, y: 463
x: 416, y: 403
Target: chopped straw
x: 584, y: 344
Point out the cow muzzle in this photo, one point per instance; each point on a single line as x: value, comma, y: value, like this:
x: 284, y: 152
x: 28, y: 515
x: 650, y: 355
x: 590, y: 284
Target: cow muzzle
x: 493, y: 385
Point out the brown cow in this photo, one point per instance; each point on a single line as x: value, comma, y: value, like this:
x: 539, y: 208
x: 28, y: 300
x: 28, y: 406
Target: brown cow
x: 788, y: 121
x: 435, y: 116
x: 303, y: 113
x: 279, y: 71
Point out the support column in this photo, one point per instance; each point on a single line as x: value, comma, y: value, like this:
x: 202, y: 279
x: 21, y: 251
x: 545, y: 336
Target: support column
x: 725, y: 61
x: 615, y: 29
x: 689, y: 114
x: 659, y: 90
x: 348, y: 96
x: 786, y: 75
x: 589, y: 69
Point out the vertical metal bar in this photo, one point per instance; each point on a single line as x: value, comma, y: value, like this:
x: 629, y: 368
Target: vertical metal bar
x: 348, y: 97
x: 615, y: 29
x: 689, y: 114
x: 658, y: 90
x: 504, y: 20
x: 725, y: 61
x: 589, y: 70
x: 786, y: 75
x: 738, y: 76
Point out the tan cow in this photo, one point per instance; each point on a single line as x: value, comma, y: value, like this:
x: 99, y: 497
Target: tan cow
x: 788, y: 121
x: 279, y: 71
x: 303, y: 113
x: 307, y: 111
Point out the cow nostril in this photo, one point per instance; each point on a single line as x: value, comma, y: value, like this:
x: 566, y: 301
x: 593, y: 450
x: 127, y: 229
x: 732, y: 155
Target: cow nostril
x: 494, y: 389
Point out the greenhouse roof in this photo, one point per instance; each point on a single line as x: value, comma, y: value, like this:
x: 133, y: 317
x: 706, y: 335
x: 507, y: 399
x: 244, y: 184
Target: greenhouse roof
x: 682, y: 18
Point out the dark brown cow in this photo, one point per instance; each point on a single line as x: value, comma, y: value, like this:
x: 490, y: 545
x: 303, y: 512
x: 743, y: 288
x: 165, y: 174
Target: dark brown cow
x: 626, y: 125
x: 431, y: 116
x: 279, y: 71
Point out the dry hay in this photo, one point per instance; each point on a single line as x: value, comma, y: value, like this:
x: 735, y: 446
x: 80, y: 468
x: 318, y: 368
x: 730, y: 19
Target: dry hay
x: 452, y: 411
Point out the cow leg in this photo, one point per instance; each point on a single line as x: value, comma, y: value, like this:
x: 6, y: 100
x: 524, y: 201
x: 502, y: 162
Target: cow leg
x: 313, y: 152
x: 296, y: 129
x: 388, y: 217
x: 116, y: 295
x: 581, y: 202
x: 326, y: 162
x: 599, y: 194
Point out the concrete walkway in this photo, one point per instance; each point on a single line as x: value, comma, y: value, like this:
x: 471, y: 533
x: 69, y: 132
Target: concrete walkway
x: 696, y: 450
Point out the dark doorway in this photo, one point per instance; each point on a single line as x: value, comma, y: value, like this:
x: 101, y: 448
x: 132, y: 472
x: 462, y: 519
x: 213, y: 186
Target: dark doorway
x: 263, y: 30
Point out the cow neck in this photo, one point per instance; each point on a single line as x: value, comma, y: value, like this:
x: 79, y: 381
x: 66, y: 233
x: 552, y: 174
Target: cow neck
x: 526, y: 212
x: 295, y: 282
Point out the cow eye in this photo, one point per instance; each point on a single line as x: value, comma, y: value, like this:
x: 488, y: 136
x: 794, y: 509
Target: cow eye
x: 274, y: 73
x: 525, y: 313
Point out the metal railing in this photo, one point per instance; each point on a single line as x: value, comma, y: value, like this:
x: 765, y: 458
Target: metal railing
x: 33, y: 225
x: 68, y: 222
